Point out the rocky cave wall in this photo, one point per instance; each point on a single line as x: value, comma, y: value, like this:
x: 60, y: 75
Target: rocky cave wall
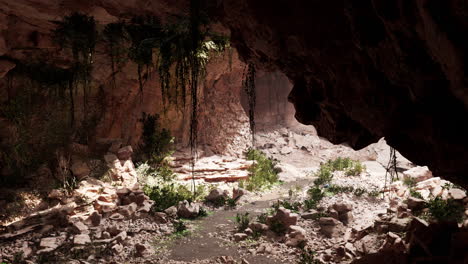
x: 361, y: 70
x: 367, y: 69
x: 115, y: 109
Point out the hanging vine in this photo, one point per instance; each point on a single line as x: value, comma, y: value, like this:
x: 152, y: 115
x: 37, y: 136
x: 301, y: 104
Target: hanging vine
x: 78, y: 33
x: 249, y: 87
x: 145, y: 33
x: 115, y: 36
x: 391, y: 169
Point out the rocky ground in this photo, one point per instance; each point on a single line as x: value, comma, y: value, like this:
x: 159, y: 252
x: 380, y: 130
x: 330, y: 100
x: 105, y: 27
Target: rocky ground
x: 112, y: 222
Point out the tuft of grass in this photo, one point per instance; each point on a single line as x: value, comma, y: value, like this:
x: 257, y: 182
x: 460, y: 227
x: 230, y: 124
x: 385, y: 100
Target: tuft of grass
x: 242, y: 221
x: 308, y: 257
x: 167, y: 195
x: 445, y: 210
x: 315, y: 195
x: 263, y: 173
x: 410, y: 182
x: 359, y: 192
x: 415, y: 194
x: 293, y: 206
x: 180, y: 229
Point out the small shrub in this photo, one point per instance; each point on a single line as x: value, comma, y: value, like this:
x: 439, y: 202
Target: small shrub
x: 359, y: 192
x: 315, y: 196
x: 278, y: 227
x: 445, y: 210
x: 308, y: 257
x: 374, y: 193
x: 356, y: 169
x: 242, y: 221
x: 167, y: 195
x: 263, y: 174
x: 180, y: 228
x: 157, y: 143
x: 335, y: 189
x: 293, y: 206
x: 339, y: 164
x: 415, y: 194
x: 261, y: 218
x: 410, y: 182
x: 231, y: 203
x: 324, y: 175
x: 202, y: 212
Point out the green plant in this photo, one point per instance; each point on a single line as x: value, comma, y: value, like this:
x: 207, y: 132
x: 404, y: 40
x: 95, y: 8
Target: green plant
x: 202, y: 212
x: 359, y: 192
x: 356, y: 169
x: 374, y: 193
x: 157, y: 143
x: 308, y: 257
x: 242, y: 221
x: 278, y: 227
x: 263, y: 173
x: 293, y: 206
x: 324, y: 175
x: 180, y: 228
x: 335, y: 189
x: 315, y: 195
x: 231, y: 203
x: 262, y: 218
x: 339, y: 164
x: 415, y: 194
x: 445, y: 210
x: 167, y: 195
x: 408, y: 181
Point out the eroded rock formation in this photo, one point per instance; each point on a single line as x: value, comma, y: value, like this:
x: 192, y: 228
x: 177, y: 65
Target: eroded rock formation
x: 367, y: 69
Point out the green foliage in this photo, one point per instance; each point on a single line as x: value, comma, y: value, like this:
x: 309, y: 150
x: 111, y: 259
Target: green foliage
x: 242, y: 221
x: 339, y: 164
x: 180, y: 228
x: 359, y: 192
x: 157, y: 143
x: 445, y: 210
x: 78, y: 33
x: 324, y: 174
x: 261, y: 218
x: 374, y: 193
x: 278, y: 227
x: 167, y: 195
x: 308, y: 257
x: 263, y: 173
x: 202, y: 212
x: 335, y: 189
x: 231, y: 203
x: 356, y: 169
x: 415, y: 194
x: 408, y: 181
x: 315, y: 195
x: 294, y: 206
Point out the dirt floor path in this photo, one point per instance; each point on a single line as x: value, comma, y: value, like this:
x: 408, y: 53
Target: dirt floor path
x: 201, y: 245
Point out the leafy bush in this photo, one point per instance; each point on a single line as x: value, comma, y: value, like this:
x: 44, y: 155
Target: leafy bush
x: 339, y: 164
x: 359, y: 192
x: 263, y: 173
x: 356, y: 169
x: 324, y: 175
x: 415, y: 194
x: 335, y: 189
x: 242, y: 221
x: 157, y: 143
x: 308, y: 257
x: 445, y: 210
x: 167, y: 195
x: 315, y: 196
x: 278, y: 227
x: 293, y: 206
x: 261, y: 218
x: 410, y: 182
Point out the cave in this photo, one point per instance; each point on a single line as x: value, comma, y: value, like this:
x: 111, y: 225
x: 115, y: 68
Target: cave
x: 234, y: 131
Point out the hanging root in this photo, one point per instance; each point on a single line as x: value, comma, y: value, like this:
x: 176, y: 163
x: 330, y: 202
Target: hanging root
x: 249, y: 86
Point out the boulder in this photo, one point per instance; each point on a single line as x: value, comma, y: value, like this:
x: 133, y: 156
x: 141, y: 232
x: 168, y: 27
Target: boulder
x: 80, y: 169
x: 415, y: 203
x: 311, y: 214
x: 79, y: 228
x: 237, y: 193
x: 283, y: 216
x: 125, y: 153
x: 258, y: 227
x: 342, y: 207
x: 457, y: 194
x: 140, y: 249
x: 217, y: 195
x: 188, y: 210
x: 49, y: 244
x: 418, y: 174
x: 240, y: 236
x: 81, y: 239
x: 399, y: 224
x: 331, y: 227
x: 95, y: 218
